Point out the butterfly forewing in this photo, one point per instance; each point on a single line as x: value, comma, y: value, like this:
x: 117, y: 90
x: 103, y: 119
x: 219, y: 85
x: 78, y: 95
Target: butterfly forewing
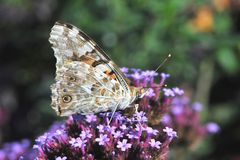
x: 87, y: 80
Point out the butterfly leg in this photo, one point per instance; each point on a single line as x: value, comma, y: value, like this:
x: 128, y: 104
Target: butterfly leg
x: 113, y: 114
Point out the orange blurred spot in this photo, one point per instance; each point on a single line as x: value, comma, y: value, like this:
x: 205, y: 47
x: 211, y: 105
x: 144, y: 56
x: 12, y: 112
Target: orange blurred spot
x: 221, y: 5
x: 203, y: 21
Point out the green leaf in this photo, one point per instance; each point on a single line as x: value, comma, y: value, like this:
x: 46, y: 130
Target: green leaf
x: 227, y: 59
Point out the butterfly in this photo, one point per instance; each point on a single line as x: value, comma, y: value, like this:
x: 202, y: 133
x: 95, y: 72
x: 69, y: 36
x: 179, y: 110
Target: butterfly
x: 87, y: 80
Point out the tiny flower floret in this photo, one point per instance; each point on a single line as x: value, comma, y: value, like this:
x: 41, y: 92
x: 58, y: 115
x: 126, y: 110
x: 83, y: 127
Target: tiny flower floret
x: 164, y: 75
x: 155, y: 144
x: 141, y: 116
x: 170, y: 132
x: 136, y: 76
x: 123, y: 145
x: 124, y: 69
x: 150, y: 130
x: 135, y: 70
x: 102, y: 140
x: 100, y: 128
x: 132, y: 135
x: 78, y: 142
x: 111, y: 129
x: 177, y: 110
x: 166, y: 119
x: 61, y: 158
x: 86, y: 134
x: 117, y: 134
x: 123, y: 127
x: 91, y: 118
x: 178, y: 91
x: 212, y: 127
x: 149, y: 73
x: 59, y: 132
x: 197, y: 106
x: 138, y: 127
x: 42, y: 138
x: 168, y: 92
x: 150, y: 93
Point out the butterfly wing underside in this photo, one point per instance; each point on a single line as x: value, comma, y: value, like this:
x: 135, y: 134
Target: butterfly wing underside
x: 87, y: 80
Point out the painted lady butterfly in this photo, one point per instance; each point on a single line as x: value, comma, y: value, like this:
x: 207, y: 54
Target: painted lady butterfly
x: 87, y: 80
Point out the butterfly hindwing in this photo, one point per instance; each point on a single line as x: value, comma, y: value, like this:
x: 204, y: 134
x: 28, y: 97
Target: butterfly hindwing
x: 88, y: 91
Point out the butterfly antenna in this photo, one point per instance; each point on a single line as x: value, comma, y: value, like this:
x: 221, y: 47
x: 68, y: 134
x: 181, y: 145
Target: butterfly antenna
x: 163, y: 62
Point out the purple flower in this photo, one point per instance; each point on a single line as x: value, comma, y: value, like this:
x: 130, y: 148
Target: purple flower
x: 135, y: 70
x: 180, y: 101
x: 102, y: 140
x: 59, y: 132
x: 138, y: 127
x: 61, y: 158
x: 91, y: 118
x: 15, y: 150
x: 176, y: 110
x: 78, y: 142
x: 2, y: 154
x: 150, y: 130
x: 148, y: 73
x: 197, y: 106
x: 72, y: 141
x: 123, y: 127
x: 119, y: 116
x: 86, y: 134
x: 166, y: 119
x: 111, y: 129
x: 178, y: 91
x: 170, y: 132
x: 130, y: 136
x: 136, y: 76
x: 155, y: 144
x: 140, y: 116
x: 42, y: 139
x: 123, y: 145
x: 100, y: 128
x: 118, y: 134
x: 212, y: 127
x: 124, y: 70
x: 164, y: 75
x: 150, y: 93
x: 168, y: 92
x: 133, y: 134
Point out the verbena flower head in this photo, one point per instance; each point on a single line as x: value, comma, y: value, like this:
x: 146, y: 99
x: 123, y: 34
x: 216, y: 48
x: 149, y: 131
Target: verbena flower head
x: 185, y: 117
x: 15, y: 150
x: 137, y: 135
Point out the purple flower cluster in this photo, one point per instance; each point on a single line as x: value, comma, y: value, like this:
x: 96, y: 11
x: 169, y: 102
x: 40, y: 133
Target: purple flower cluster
x: 185, y: 117
x: 124, y: 138
x: 15, y: 150
x: 129, y: 135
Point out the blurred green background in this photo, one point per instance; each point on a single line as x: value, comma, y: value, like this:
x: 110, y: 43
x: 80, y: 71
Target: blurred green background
x: 202, y: 36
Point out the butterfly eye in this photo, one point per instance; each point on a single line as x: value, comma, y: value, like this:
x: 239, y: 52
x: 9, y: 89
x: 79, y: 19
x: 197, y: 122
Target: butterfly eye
x: 142, y: 93
x: 66, y: 99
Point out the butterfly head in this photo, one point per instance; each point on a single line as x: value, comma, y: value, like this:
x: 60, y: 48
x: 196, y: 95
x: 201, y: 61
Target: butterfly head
x: 141, y: 93
x: 137, y: 93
